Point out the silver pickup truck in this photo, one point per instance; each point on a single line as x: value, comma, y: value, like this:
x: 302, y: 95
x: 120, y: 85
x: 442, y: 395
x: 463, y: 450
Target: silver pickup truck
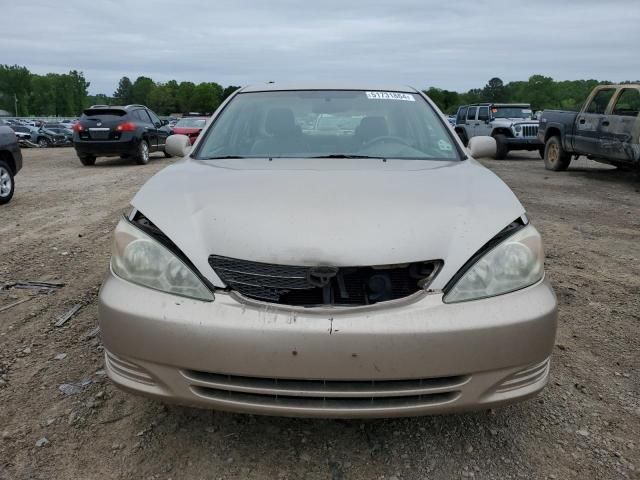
x: 606, y: 129
x: 10, y: 163
x: 511, y: 125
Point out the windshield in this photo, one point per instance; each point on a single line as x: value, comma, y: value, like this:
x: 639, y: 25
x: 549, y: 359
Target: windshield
x: 331, y: 123
x: 511, y: 112
x: 191, y: 123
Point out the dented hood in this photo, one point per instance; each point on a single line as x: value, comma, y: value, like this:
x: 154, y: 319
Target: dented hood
x: 343, y: 212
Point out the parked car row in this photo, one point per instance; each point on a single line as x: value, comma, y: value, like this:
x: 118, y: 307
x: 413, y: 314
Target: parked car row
x: 43, y: 136
x: 606, y: 129
x: 39, y: 122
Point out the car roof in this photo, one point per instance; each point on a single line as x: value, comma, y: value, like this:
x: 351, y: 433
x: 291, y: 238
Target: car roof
x: 276, y: 87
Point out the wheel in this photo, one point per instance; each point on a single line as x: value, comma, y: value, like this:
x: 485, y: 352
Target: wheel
x: 87, y: 160
x: 43, y: 142
x: 7, y: 184
x: 502, y: 149
x: 142, y: 158
x: 555, y: 158
x: 541, y: 151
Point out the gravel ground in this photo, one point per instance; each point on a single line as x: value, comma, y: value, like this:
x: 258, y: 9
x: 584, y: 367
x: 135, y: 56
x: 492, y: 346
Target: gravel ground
x: 586, y: 424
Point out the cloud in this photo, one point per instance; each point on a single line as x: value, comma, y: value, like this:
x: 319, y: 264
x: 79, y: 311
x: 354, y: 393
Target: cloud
x: 418, y: 42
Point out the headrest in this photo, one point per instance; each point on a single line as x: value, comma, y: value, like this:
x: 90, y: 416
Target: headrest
x: 372, y: 127
x: 280, y: 121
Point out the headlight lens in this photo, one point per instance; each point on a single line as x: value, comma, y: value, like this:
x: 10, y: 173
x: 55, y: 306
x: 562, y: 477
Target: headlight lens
x: 518, y: 128
x: 515, y: 263
x: 140, y: 259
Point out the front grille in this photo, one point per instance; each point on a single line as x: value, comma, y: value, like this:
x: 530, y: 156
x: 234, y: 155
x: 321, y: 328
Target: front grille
x: 529, y: 130
x: 315, y: 286
x: 325, y: 394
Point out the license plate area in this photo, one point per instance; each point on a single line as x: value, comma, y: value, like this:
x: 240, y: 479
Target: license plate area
x: 99, y: 133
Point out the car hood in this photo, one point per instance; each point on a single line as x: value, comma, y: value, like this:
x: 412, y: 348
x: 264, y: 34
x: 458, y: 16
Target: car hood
x: 342, y: 212
x: 513, y: 121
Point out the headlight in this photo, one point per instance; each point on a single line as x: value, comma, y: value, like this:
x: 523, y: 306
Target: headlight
x: 518, y: 128
x: 515, y: 263
x: 138, y: 258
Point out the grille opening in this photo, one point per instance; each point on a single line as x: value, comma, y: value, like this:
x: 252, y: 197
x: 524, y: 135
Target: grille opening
x: 326, y: 387
x: 324, y: 285
x: 322, y: 403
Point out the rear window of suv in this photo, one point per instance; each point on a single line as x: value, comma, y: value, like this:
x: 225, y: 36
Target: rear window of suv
x: 115, y: 112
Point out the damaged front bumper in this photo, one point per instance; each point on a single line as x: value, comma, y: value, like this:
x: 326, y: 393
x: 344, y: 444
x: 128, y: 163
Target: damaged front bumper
x: 414, y: 357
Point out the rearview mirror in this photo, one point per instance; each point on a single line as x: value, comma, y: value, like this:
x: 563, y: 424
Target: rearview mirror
x: 481, y: 146
x: 178, y: 145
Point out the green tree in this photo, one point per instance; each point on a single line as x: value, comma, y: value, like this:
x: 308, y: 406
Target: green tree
x: 446, y: 100
x: 42, y: 97
x: 494, y: 91
x: 184, y: 96
x: 99, y: 99
x: 141, y: 90
x: 79, y: 91
x: 162, y: 99
x: 124, y: 92
x: 540, y: 92
x: 15, y: 82
x: 207, y: 96
x: 228, y: 91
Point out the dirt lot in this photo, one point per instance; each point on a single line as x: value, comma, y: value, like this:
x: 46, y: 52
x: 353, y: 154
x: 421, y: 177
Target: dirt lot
x: 586, y: 424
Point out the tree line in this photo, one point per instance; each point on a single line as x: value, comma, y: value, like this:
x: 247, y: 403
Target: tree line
x: 540, y: 91
x: 67, y: 94
x: 51, y: 94
x: 168, y: 97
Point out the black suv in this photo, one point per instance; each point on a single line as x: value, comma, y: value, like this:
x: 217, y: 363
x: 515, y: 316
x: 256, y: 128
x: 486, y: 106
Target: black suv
x: 132, y: 131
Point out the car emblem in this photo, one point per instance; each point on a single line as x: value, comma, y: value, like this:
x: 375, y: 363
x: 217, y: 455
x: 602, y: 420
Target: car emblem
x: 321, y: 276
x: 99, y: 124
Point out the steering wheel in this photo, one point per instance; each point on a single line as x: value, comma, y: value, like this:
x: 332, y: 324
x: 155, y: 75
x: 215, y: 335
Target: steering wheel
x: 384, y: 138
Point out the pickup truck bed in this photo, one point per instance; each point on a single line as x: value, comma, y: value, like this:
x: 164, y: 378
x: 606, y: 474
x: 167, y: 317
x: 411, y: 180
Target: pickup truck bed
x: 607, y: 129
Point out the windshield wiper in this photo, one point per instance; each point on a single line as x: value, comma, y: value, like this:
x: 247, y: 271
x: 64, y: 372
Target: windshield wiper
x: 222, y: 157
x: 346, y: 155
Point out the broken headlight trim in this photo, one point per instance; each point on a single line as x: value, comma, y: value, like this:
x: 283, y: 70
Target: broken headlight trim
x: 140, y: 259
x: 515, y: 263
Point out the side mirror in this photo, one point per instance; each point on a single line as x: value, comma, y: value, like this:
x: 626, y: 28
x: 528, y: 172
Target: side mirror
x: 482, y: 146
x: 178, y: 145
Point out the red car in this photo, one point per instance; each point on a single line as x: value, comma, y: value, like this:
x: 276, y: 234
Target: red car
x: 190, y: 126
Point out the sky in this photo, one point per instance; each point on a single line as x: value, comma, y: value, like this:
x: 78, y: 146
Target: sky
x: 455, y: 45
